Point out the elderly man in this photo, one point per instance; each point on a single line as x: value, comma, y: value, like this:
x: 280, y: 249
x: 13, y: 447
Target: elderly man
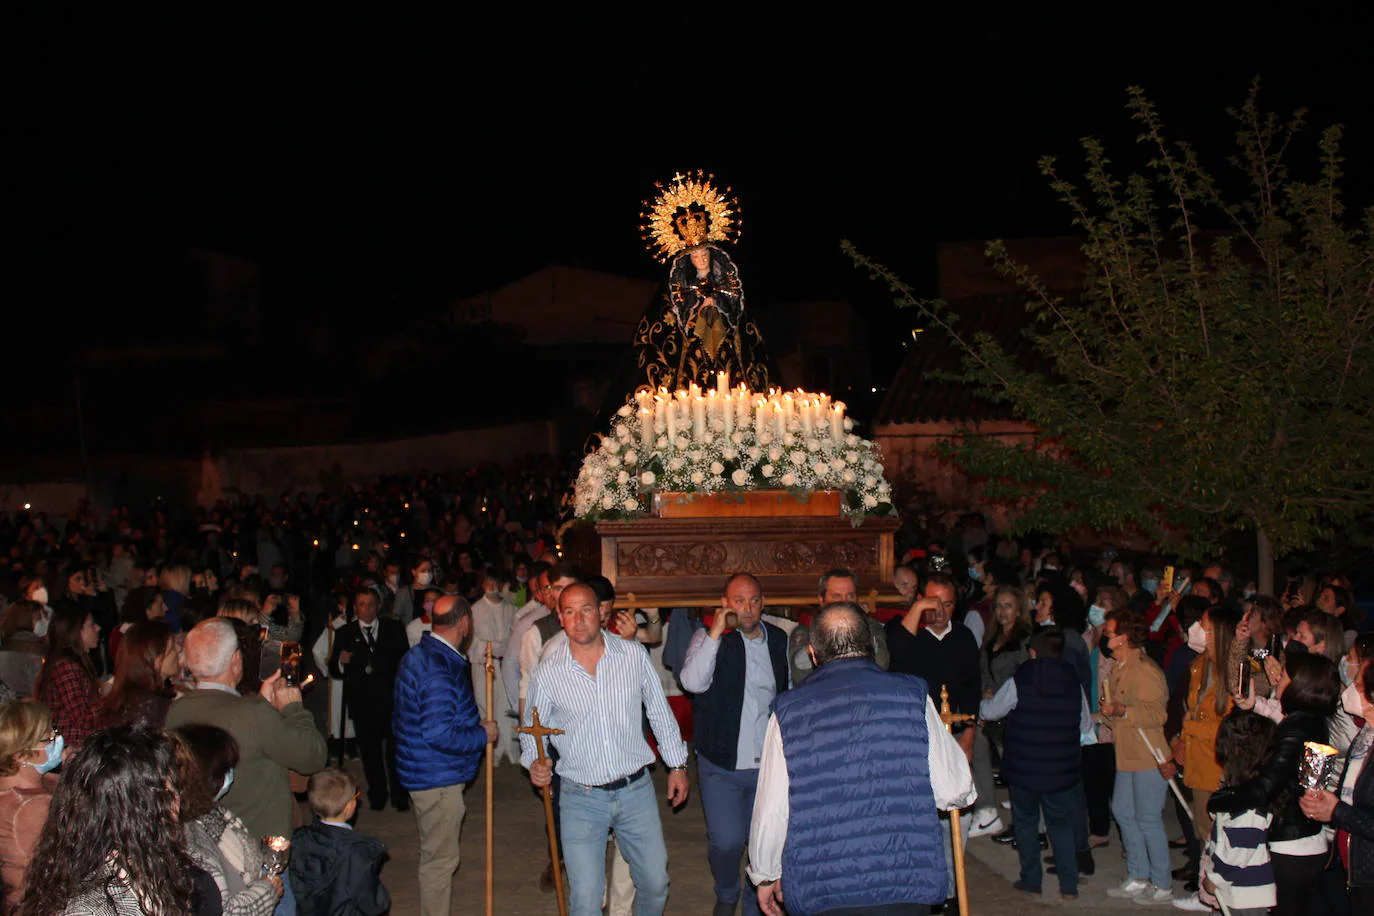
x: 735, y: 673
x: 855, y: 764
x: 440, y: 737
x: 275, y: 733
x: 596, y: 688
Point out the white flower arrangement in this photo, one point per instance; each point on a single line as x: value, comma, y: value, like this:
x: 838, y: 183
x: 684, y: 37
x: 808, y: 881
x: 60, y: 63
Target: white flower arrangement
x: 736, y: 441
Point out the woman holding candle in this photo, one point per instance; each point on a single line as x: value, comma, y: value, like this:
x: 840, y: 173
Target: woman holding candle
x: 1136, y: 712
x: 1351, y: 809
x: 1308, y: 691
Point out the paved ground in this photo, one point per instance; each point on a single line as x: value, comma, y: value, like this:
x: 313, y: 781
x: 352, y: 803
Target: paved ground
x: 521, y: 854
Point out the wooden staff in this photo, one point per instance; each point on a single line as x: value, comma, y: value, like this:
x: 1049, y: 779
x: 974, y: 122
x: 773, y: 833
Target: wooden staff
x: 956, y: 835
x: 538, y: 732
x: 491, y: 784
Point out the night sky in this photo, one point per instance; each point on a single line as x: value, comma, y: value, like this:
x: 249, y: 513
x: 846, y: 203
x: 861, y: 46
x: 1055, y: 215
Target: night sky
x: 376, y: 157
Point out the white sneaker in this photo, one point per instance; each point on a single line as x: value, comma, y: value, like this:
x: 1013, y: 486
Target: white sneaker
x: 1131, y: 887
x: 984, y: 823
x: 1192, y: 904
x: 1155, y: 896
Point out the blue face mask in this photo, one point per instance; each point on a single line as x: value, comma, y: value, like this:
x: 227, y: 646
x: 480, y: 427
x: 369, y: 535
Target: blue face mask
x: 1149, y: 585
x: 228, y: 781
x: 54, y: 751
x: 1344, y: 668
x: 974, y: 573
x: 1097, y: 615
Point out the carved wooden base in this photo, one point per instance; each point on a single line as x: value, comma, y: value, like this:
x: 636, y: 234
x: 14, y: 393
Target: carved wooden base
x: 669, y: 562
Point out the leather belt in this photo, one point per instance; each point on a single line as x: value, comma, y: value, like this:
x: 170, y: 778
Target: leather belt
x: 622, y: 782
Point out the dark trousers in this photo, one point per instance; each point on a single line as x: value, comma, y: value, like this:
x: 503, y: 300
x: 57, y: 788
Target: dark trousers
x: 1099, y: 779
x: 377, y: 748
x: 1295, y: 877
x: 888, y: 909
x: 727, y: 797
x: 1061, y: 809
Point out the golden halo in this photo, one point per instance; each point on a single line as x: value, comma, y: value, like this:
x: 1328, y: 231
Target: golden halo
x: 687, y: 213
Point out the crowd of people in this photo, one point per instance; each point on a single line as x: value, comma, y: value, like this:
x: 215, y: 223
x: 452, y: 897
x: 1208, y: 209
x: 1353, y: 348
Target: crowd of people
x: 151, y: 742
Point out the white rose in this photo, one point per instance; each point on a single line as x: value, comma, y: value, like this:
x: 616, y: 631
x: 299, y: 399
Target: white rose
x: 698, y: 477
x: 647, y: 478
x: 622, y: 431
x: 851, y: 441
x: 870, y: 481
x: 870, y: 501
x: 729, y: 454
x: 706, y: 439
x: 797, y: 458
x: 775, y: 454
x: 789, y: 479
x: 851, y: 456
x: 675, y: 464
x: 624, y: 410
x: 661, y: 443
x: 631, y: 457
x: 878, y: 469
x: 740, y: 477
x: 718, y: 426
x: 631, y: 504
x: 788, y: 439
x: 837, y: 464
x: 848, y: 424
x: 717, y: 468
x: 755, y: 453
x: 737, y: 437
x: 622, y: 478
x: 607, y: 501
x: 821, y: 468
x: 767, y: 470
x: 813, y: 445
x: 847, y: 476
x: 681, y: 443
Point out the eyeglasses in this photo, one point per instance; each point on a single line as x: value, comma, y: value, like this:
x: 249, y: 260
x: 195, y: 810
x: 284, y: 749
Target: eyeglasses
x: 49, y: 738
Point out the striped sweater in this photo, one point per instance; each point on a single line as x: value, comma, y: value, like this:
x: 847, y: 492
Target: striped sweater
x: 1237, y: 860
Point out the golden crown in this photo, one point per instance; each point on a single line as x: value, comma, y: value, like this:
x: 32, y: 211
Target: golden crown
x: 687, y: 213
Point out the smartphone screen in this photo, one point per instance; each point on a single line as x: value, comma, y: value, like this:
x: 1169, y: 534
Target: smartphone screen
x: 1166, y: 583
x: 291, y: 664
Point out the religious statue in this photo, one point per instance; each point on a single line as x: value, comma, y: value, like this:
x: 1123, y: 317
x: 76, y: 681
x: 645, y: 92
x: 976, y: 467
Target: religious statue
x: 701, y: 328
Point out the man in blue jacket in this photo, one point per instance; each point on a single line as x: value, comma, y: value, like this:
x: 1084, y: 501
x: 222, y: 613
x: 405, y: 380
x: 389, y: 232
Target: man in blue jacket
x: 439, y: 743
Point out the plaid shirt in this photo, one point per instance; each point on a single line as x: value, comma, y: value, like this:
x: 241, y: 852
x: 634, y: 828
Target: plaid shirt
x: 71, y: 693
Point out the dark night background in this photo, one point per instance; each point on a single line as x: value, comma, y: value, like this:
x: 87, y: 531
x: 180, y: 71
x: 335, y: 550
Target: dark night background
x: 379, y: 164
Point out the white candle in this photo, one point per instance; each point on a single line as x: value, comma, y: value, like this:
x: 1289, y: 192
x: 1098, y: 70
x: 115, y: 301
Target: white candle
x: 712, y: 408
x: 837, y: 421
x: 646, y: 430
x: 727, y: 414
x: 779, y: 420
x: 760, y: 418
x: 672, y: 423
x: 806, y: 417
x: 743, y: 404
x: 699, y: 416
x: 723, y: 383
x: 659, y: 419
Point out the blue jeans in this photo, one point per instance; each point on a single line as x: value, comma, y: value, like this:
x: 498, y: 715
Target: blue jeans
x: 286, y: 906
x: 586, y: 818
x: 1138, y: 805
x: 727, y: 797
x: 1061, y: 808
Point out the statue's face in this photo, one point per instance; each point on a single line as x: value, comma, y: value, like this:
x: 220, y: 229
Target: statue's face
x: 701, y: 259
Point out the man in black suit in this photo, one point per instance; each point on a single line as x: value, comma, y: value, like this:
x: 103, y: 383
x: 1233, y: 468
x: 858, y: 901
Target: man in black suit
x: 367, y: 652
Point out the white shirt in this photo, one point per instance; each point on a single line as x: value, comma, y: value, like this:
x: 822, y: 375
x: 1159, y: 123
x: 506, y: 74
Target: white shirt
x: 699, y: 670
x: 415, y: 631
x: 600, y: 713
x: 974, y: 621
x: 510, y: 671
x: 492, y: 622
x: 951, y: 782
x: 1001, y: 704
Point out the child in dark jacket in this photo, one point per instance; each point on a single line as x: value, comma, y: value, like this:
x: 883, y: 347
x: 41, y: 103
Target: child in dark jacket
x: 333, y: 867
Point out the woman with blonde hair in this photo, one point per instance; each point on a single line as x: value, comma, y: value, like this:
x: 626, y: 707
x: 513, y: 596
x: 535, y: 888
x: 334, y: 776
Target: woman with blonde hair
x: 175, y: 583
x: 29, y: 748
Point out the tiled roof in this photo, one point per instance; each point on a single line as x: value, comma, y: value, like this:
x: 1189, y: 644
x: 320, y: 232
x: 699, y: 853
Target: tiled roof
x: 916, y: 397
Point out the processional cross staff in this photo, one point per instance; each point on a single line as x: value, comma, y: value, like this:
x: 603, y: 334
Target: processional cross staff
x: 950, y: 718
x: 491, y: 755
x: 539, y: 732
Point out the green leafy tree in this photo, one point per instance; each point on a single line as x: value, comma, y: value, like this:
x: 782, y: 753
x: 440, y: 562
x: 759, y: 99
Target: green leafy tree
x: 1214, y: 372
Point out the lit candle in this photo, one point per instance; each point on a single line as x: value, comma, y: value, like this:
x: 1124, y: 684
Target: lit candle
x: 760, y: 418
x: 646, y: 429
x: 743, y: 404
x: 806, y: 417
x: 712, y: 408
x: 699, y: 416
x: 837, y: 422
x: 723, y: 382
x: 779, y: 420
x: 659, y: 419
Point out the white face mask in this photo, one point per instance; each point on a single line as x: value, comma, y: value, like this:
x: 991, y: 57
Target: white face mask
x: 40, y: 595
x: 423, y: 579
x: 1352, y: 701
x: 1344, y: 669
x: 1197, y: 637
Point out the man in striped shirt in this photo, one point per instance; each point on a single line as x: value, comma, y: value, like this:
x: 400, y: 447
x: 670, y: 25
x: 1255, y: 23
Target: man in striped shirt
x: 595, y: 688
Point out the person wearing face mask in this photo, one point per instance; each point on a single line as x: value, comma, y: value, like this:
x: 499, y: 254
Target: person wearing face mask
x: 29, y: 749
x: 34, y: 589
x: 1350, y: 809
x: 1211, y: 682
x: 217, y: 840
x: 421, y: 578
x: 492, y: 619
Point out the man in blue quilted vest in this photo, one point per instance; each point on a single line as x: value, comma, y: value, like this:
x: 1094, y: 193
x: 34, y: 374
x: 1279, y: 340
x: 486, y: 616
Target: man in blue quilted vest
x: 1047, y: 722
x: 856, y: 767
x: 735, y: 674
x: 439, y: 743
